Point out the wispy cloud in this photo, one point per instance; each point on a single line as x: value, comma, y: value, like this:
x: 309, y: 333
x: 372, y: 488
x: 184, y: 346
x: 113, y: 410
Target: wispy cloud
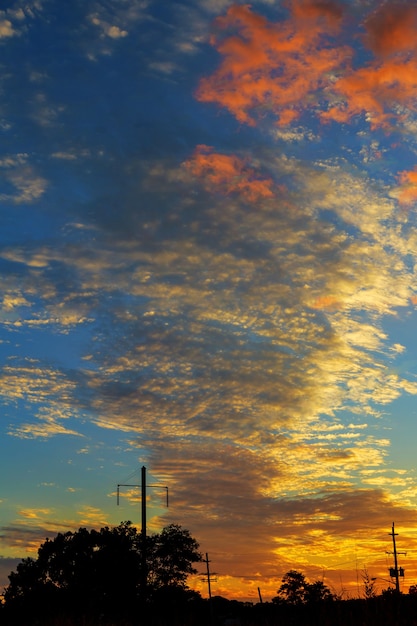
x: 28, y: 186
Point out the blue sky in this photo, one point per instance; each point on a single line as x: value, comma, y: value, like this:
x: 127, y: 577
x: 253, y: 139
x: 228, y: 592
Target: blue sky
x: 208, y: 258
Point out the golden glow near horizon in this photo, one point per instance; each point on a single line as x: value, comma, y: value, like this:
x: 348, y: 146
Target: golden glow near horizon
x: 208, y: 262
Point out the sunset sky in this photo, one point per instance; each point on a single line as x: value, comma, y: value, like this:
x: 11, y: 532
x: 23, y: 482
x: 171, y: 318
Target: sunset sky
x: 207, y: 247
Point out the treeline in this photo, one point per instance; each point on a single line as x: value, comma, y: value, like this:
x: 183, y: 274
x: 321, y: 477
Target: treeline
x: 387, y: 610
x: 111, y: 577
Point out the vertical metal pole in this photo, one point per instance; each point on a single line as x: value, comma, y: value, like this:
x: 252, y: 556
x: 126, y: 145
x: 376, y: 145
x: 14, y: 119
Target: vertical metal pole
x: 208, y: 576
x: 144, y: 564
x: 397, y: 580
x: 209, y: 590
x: 143, y: 502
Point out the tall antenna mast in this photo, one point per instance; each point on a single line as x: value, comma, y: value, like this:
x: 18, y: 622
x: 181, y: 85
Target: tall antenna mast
x: 143, y: 486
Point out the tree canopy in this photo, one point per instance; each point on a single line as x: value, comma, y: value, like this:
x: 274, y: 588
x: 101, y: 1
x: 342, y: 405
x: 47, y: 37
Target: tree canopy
x: 295, y: 589
x: 101, y: 570
x: 170, y: 556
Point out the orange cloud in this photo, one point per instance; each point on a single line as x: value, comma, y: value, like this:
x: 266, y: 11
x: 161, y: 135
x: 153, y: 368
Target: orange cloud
x: 373, y: 90
x: 274, y: 66
x: 322, y: 9
x: 391, y: 32
x: 326, y: 302
x: 392, y: 29
x: 287, y: 66
x: 228, y: 174
x: 408, y: 191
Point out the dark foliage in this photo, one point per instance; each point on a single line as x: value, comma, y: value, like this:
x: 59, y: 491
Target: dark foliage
x: 296, y: 590
x: 171, y: 555
x: 96, y: 574
x: 45, y: 595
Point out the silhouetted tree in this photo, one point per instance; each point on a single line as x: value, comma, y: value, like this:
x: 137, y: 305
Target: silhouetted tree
x: 82, y: 569
x: 94, y: 572
x: 389, y: 592
x: 317, y: 592
x: 171, y: 555
x: 293, y: 588
x: 296, y: 590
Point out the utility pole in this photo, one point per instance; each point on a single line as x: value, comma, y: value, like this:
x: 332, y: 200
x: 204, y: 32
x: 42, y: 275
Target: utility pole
x: 143, y: 487
x: 396, y: 572
x: 209, y: 577
x: 206, y: 561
